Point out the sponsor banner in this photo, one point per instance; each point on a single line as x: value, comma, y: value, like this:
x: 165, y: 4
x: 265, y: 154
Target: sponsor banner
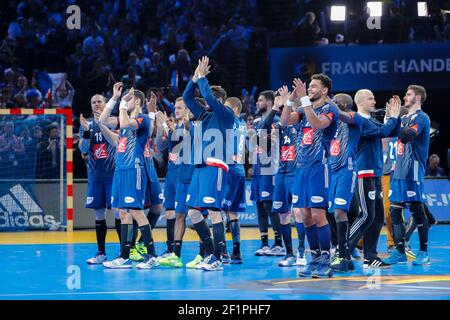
x: 378, y: 67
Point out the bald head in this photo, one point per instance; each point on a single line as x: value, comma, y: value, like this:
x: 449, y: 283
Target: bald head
x: 365, y: 101
x: 343, y: 101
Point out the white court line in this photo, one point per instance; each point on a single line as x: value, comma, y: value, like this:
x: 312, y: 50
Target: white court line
x: 415, y: 287
x: 107, y: 292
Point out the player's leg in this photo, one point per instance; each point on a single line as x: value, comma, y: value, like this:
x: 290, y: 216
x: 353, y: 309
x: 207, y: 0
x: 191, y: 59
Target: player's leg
x: 150, y: 259
x: 418, y: 212
x: 96, y: 200
x: 169, y: 205
x: 398, y: 255
x: 300, y: 227
x: 386, y: 179
x: 313, y: 240
x: 372, y: 234
x: 263, y: 225
x: 286, y: 230
x: 126, y: 223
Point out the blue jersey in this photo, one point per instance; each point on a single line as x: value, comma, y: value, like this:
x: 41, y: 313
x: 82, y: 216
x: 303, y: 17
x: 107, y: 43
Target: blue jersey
x: 343, y: 146
x: 149, y: 164
x: 213, y: 124
x: 263, y: 160
x: 101, y: 162
x: 186, y: 166
x: 236, y: 147
x: 288, y: 153
x: 174, y: 139
x: 412, y: 155
x: 132, y: 143
x: 389, y: 154
x: 369, y: 152
x: 314, y: 145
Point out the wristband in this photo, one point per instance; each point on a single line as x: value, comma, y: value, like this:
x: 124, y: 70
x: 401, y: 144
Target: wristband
x: 290, y: 103
x: 152, y: 115
x: 123, y: 105
x: 305, y: 101
x: 165, y: 126
x: 86, y: 134
x: 111, y: 103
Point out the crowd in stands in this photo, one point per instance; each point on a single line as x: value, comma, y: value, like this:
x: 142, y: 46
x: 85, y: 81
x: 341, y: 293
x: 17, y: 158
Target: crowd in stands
x: 153, y: 45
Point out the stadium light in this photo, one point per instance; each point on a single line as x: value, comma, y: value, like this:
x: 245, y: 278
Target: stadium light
x: 375, y: 8
x: 337, y: 13
x: 422, y: 9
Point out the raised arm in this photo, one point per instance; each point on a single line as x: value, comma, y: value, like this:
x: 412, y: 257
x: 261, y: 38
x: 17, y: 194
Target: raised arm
x: 110, y: 136
x: 105, y: 117
x: 388, y: 129
x: 85, y: 135
x: 125, y: 121
x: 189, y: 98
x: 288, y: 116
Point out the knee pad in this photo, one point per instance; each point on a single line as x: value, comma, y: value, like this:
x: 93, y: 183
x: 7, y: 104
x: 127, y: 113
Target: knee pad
x: 100, y: 214
x: 396, y: 211
x: 418, y: 213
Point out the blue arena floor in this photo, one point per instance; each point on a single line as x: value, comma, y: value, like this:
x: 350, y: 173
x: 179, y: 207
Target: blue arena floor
x: 41, y: 272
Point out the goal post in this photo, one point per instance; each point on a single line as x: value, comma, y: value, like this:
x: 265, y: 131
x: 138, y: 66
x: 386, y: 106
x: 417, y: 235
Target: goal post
x: 36, y: 169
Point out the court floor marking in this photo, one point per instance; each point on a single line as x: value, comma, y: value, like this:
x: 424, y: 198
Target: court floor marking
x: 108, y: 292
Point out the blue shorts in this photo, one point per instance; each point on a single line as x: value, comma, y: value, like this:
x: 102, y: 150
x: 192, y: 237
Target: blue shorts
x: 234, y: 193
x: 283, y: 193
x: 405, y: 191
x: 169, y: 190
x: 262, y: 188
x: 180, y: 198
x: 153, y: 194
x: 205, y: 190
x: 98, y: 195
x: 311, y: 186
x: 342, y: 188
x: 128, y: 189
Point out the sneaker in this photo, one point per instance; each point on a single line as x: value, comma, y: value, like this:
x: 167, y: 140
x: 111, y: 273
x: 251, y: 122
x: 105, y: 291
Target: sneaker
x: 226, y: 259
x: 135, y: 255
x: 148, y: 263
x: 99, y: 258
x: 396, y: 257
x: 119, y: 263
x: 356, y: 254
x: 262, y: 250
x: 391, y: 249
x: 311, y: 266
x: 422, y: 259
x: 193, y: 264
x: 342, y: 265
x: 276, y: 251
x: 376, y: 263
x: 141, y: 249
x: 323, y: 269
x: 213, y: 264
x: 409, y: 253
x: 200, y: 265
x: 301, y: 258
x: 333, y: 252
x: 236, y: 259
x: 165, y: 254
x: 171, y: 260
x: 287, y: 261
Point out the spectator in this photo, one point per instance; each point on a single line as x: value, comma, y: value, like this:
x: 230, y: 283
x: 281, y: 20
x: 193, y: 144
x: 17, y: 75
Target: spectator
x: 307, y: 30
x: 142, y: 61
x: 433, y: 169
x: 12, y: 151
x: 49, y: 153
x: 64, y: 95
x: 158, y: 72
x: 93, y: 43
x: 33, y: 98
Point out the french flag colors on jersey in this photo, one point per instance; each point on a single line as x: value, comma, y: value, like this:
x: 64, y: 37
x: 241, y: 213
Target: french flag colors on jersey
x: 186, y: 167
x: 343, y: 146
x: 369, y: 152
x: 412, y: 156
x: 314, y: 145
x: 288, y: 151
x: 132, y: 144
x: 101, y: 162
x: 236, y: 147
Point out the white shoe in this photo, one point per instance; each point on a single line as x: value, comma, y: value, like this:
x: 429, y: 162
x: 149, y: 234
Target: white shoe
x: 214, y: 264
x: 98, y: 259
x: 119, y: 263
x: 287, y: 261
x: 262, y: 251
x: 276, y: 251
x: 203, y: 263
x: 301, y: 259
x: 148, y: 263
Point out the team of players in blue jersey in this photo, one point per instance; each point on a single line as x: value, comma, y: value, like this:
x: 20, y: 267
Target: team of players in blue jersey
x: 311, y: 155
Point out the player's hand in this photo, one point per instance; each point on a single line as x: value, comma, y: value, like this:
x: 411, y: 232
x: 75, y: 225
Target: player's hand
x: 300, y: 88
x: 203, y: 67
x: 117, y: 90
x: 171, y: 124
x: 129, y: 95
x: 151, y: 102
x: 84, y: 123
x: 284, y: 93
x: 161, y: 118
x: 395, y: 105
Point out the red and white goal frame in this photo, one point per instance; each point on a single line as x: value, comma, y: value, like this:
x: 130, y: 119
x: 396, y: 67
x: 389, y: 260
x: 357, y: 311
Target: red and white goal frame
x: 69, y: 153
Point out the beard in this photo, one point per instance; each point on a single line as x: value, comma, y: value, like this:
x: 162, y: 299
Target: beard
x: 315, y: 97
x: 262, y: 109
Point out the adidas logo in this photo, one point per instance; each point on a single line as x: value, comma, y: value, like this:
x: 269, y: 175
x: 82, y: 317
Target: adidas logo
x: 16, y: 207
